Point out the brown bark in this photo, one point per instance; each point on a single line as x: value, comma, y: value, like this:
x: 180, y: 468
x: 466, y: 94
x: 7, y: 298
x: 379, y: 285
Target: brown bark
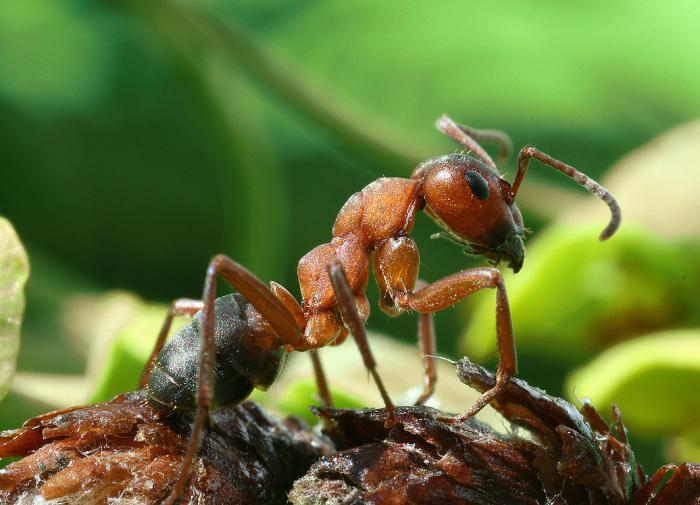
x: 125, y: 449
x: 570, y: 457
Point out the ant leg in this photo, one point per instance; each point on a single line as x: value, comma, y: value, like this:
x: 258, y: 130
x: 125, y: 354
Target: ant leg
x: 258, y: 294
x: 269, y: 307
x: 451, y: 289
x: 180, y: 307
x: 348, y: 310
x: 529, y: 152
x: 323, y: 392
x: 426, y: 341
x: 295, y: 309
x: 426, y: 344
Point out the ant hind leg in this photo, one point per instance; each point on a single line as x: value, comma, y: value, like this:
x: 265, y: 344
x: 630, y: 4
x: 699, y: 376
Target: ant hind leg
x: 180, y: 307
x: 269, y: 307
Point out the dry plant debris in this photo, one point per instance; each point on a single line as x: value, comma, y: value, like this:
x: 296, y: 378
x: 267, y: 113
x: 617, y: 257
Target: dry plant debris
x: 572, y: 457
x: 125, y: 452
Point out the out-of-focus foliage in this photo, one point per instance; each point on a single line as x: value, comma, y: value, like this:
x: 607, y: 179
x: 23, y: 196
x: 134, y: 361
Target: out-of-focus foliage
x: 14, y: 270
x: 301, y: 394
x: 139, y: 138
x: 576, y: 295
x: 656, y: 186
x: 53, y: 58
x: 652, y: 379
x: 123, y: 344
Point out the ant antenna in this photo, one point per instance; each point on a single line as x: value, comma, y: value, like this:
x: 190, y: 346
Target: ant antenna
x: 528, y: 152
x: 451, y: 362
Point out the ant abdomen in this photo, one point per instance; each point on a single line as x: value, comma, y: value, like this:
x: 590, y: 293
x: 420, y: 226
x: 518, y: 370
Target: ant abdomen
x: 248, y: 355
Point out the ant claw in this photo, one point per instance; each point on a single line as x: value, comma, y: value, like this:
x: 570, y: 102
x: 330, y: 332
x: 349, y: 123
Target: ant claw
x: 391, y: 419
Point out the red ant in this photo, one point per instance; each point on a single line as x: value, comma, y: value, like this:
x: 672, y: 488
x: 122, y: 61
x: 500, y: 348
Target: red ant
x: 244, y: 337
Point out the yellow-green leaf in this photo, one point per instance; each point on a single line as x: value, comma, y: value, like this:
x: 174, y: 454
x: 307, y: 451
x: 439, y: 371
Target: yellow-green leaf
x: 654, y: 380
x: 14, y: 270
x: 300, y: 395
x: 116, y: 367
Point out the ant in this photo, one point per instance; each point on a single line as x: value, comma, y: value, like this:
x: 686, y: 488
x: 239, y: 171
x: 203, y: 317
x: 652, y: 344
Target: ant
x: 238, y: 342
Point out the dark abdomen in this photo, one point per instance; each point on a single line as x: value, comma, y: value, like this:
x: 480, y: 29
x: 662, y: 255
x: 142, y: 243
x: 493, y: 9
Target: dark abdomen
x: 248, y: 355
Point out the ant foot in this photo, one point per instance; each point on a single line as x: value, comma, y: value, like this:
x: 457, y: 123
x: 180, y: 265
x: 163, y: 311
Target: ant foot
x: 391, y: 419
x: 502, y: 382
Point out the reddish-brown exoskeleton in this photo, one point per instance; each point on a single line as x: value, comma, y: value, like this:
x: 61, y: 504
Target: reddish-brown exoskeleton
x: 249, y: 334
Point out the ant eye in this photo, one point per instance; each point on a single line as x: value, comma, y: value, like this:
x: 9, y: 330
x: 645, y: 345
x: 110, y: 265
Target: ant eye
x: 478, y: 184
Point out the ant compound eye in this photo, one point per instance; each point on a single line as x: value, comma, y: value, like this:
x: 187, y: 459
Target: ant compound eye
x: 478, y: 184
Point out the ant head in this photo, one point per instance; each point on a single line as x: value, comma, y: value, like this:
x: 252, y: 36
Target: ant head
x: 471, y: 203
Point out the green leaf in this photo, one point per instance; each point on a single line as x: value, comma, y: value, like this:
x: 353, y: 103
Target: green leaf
x: 14, y: 271
x: 300, y: 395
x: 653, y: 379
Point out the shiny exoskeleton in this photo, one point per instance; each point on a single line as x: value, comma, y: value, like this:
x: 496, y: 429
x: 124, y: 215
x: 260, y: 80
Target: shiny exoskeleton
x: 245, y: 336
x: 242, y: 363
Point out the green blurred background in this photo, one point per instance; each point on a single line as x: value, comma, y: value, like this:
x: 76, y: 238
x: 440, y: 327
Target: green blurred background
x: 137, y: 139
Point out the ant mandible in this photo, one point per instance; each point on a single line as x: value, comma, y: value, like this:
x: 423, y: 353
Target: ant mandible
x: 238, y: 342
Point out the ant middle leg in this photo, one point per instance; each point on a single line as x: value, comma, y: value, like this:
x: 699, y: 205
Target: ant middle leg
x: 179, y: 307
x: 426, y: 342
x: 351, y: 317
x: 269, y: 307
x: 451, y: 289
x: 324, y: 391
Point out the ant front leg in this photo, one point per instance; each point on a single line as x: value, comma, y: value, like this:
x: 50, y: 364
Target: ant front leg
x: 351, y: 317
x: 269, y: 307
x: 448, y: 291
x: 180, y: 307
x: 395, y: 264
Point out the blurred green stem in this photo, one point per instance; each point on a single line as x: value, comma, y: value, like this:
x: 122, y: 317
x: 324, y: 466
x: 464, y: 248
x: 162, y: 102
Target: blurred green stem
x: 363, y: 137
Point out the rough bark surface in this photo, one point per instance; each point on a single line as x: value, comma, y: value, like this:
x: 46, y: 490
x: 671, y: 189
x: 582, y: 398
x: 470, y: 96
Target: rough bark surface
x: 125, y: 452
x: 570, y: 457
